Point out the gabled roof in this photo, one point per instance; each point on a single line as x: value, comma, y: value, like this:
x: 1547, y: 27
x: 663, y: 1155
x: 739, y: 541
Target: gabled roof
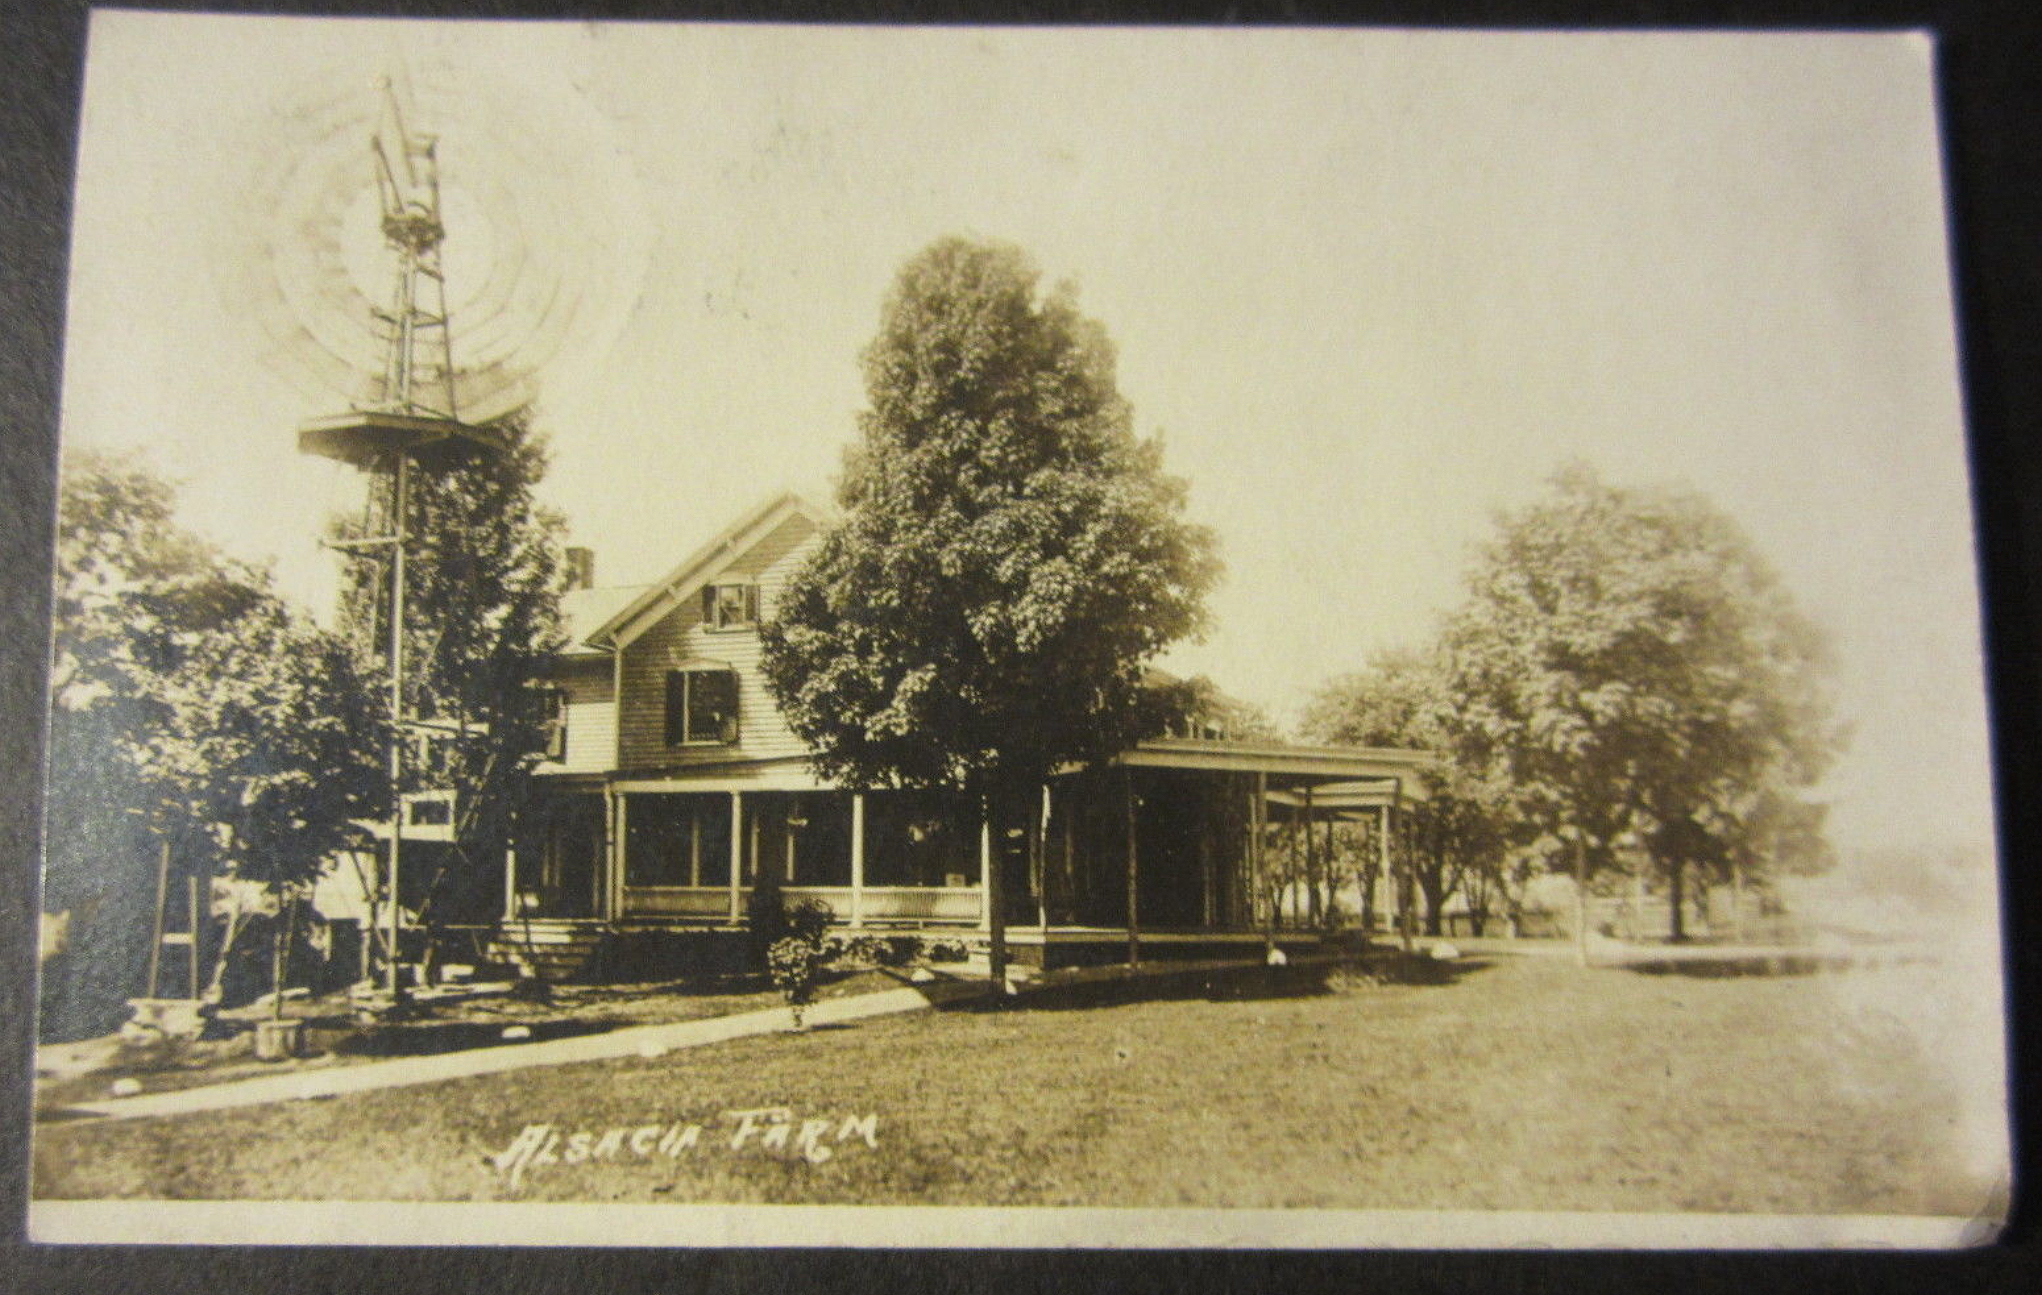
x: 584, y: 611
x: 700, y: 568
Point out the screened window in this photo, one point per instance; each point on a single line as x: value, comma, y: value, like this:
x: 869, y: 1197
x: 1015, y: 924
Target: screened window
x: 701, y: 707
x: 677, y: 840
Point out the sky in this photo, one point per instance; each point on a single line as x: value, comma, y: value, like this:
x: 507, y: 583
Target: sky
x: 1369, y: 286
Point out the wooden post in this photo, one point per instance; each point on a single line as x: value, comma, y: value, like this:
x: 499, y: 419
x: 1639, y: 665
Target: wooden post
x: 1326, y: 870
x: 162, y: 888
x: 510, y: 883
x: 191, y: 894
x: 1258, y: 812
x: 736, y: 855
x: 617, y: 856
x: 1038, y: 862
x: 1384, y: 878
x: 1134, y: 938
x: 995, y: 907
x: 857, y: 858
x: 694, y: 848
x: 1311, y: 865
x: 1407, y: 903
x: 400, y: 490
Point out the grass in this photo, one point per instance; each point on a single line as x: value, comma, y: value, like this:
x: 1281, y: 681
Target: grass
x: 1517, y: 1083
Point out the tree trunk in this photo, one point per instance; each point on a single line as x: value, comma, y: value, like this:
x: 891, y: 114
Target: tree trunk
x: 1580, y: 901
x: 1736, y: 901
x: 1677, y: 923
x: 276, y: 963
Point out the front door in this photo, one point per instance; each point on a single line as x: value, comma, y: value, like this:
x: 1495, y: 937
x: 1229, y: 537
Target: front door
x: 560, y: 857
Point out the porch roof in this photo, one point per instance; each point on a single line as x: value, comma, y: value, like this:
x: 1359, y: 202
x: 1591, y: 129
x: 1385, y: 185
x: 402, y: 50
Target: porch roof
x: 1365, y: 775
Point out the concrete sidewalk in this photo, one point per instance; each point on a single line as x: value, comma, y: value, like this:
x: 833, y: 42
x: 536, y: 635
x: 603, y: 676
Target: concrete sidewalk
x: 637, y: 1040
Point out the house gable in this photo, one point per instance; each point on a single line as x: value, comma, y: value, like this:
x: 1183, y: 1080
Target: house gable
x: 747, y: 549
x: 663, y: 723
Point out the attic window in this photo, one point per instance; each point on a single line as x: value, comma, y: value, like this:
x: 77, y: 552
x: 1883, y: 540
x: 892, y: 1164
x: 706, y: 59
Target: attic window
x: 730, y: 606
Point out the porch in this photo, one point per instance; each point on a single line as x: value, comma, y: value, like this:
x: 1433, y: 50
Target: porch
x: 1179, y: 840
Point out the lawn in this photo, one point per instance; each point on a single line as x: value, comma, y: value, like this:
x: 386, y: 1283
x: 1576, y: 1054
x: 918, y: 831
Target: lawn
x: 1513, y: 1083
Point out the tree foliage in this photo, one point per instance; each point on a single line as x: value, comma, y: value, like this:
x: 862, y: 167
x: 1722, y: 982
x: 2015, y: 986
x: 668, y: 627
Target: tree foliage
x: 189, y: 705
x: 1009, y: 553
x: 483, y: 580
x: 1641, y: 678
x: 1457, y: 839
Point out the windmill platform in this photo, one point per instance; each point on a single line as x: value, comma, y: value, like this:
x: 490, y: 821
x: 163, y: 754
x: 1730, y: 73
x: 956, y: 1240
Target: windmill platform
x: 367, y: 438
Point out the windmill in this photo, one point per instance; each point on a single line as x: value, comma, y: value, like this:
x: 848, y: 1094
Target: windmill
x: 412, y: 424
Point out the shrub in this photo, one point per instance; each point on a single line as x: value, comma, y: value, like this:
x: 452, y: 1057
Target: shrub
x: 809, y: 920
x: 898, y: 950
x: 796, y: 966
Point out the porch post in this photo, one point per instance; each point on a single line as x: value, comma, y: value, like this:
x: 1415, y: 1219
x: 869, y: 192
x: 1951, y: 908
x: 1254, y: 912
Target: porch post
x: 1311, y: 865
x: 510, y: 883
x: 1259, y: 816
x: 1407, y: 906
x: 995, y: 902
x: 736, y: 854
x: 613, y: 894
x: 1134, y: 937
x: 985, y: 871
x: 857, y: 858
x: 1038, y: 860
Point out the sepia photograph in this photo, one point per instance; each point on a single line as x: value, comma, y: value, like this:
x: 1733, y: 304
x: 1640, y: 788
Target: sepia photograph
x: 729, y: 634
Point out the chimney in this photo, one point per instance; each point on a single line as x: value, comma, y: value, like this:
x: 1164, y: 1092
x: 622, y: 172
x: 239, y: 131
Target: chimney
x: 581, y: 567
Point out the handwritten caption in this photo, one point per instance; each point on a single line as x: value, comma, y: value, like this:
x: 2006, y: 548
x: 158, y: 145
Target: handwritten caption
x: 763, y: 1131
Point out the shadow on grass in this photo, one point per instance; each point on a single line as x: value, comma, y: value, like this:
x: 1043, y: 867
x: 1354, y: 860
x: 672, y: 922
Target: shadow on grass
x: 1356, y: 977
x: 1717, y: 968
x: 428, y: 1038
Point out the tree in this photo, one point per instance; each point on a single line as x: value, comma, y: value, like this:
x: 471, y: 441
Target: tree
x: 194, y: 716
x: 1642, y: 678
x: 483, y: 580
x: 1009, y: 553
x: 1174, y: 707
x: 1456, y: 838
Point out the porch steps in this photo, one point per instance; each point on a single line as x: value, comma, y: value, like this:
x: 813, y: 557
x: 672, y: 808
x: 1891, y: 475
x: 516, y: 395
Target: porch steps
x: 552, y: 949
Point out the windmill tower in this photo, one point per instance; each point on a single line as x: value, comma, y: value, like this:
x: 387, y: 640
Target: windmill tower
x: 413, y: 424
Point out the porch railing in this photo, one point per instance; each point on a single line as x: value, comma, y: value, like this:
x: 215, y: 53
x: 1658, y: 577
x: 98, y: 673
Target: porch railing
x: 872, y: 903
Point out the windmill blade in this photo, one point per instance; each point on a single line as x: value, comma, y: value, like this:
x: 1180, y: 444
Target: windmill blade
x: 547, y: 236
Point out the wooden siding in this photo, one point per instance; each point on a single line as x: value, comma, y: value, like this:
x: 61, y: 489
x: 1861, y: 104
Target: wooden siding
x: 680, y: 639
x: 591, y: 715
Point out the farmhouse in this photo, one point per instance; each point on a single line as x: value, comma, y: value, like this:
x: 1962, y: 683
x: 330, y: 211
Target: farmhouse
x: 673, y: 787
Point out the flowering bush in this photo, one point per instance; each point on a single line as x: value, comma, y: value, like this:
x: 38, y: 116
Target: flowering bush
x: 795, y: 961
x: 796, y: 967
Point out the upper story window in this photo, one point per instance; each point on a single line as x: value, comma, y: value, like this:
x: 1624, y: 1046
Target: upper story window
x: 730, y: 606
x: 553, y: 723
x: 701, y: 707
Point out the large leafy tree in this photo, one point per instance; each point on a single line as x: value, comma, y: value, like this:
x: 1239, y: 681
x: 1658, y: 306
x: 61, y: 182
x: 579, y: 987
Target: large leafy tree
x: 483, y: 580
x: 1009, y: 552
x: 192, y: 712
x: 1457, y: 838
x: 1643, y: 679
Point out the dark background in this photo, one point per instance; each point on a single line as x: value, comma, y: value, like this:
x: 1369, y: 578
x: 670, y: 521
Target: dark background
x: 1990, y: 87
